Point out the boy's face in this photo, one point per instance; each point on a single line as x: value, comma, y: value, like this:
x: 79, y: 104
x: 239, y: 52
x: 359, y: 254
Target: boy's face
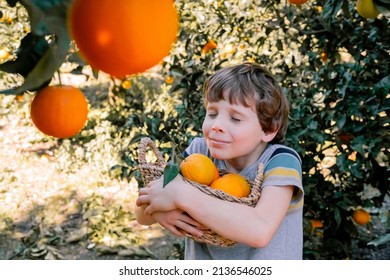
x: 233, y: 132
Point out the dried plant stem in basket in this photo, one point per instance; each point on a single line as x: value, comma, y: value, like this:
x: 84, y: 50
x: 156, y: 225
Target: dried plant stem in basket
x: 153, y: 170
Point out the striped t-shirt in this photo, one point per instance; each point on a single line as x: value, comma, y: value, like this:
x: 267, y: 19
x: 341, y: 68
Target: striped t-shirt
x: 282, y: 167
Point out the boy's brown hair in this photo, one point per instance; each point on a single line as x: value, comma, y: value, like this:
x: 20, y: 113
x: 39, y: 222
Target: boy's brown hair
x: 250, y: 81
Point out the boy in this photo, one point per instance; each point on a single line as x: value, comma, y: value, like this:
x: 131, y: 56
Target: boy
x: 245, y: 124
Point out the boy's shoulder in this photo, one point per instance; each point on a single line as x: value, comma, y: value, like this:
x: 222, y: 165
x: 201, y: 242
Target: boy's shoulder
x: 198, y: 141
x: 197, y: 145
x: 278, y: 149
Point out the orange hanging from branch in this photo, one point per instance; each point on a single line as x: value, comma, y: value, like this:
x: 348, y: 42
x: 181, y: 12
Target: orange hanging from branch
x: 123, y: 37
x: 59, y: 111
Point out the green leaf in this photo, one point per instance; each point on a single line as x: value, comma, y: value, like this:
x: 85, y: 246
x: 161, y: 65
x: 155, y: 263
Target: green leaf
x: 380, y: 240
x: 38, y: 59
x: 331, y: 8
x: 383, y: 7
x: 383, y: 10
x: 341, y: 121
x: 48, y: 4
x: 388, y: 216
x: 337, y: 216
x: 383, y: 83
x: 170, y: 173
x: 345, y: 7
x: 42, y: 72
x: 31, y: 49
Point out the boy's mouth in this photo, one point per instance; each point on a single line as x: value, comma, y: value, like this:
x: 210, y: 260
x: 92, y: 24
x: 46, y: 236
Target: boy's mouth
x: 217, y: 142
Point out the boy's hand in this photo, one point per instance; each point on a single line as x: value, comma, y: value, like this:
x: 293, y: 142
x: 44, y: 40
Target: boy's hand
x: 177, y: 220
x: 159, y: 198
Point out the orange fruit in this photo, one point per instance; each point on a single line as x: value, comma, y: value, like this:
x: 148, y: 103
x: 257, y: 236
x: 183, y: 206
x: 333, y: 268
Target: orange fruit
x: 169, y: 80
x: 123, y: 37
x: 324, y: 57
x: 367, y: 8
x: 361, y: 217
x: 126, y: 84
x: 316, y: 224
x: 4, y: 54
x: 345, y: 137
x: 297, y: 2
x: 210, y: 45
x: 19, y: 98
x: 198, y: 168
x: 216, y: 174
x: 233, y: 184
x: 59, y: 111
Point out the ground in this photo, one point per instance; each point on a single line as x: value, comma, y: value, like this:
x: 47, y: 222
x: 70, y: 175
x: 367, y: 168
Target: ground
x: 47, y: 213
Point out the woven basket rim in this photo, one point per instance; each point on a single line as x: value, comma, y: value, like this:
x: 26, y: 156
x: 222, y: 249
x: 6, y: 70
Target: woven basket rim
x: 153, y: 170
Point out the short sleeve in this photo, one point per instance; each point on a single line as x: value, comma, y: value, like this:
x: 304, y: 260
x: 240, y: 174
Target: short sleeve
x: 285, y: 169
x: 198, y: 145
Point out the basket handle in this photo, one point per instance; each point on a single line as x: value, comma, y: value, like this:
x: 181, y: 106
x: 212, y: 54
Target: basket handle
x: 145, y: 143
x: 259, y: 176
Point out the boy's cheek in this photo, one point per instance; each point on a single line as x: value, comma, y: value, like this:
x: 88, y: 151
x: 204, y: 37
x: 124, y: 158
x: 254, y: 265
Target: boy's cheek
x: 205, y: 128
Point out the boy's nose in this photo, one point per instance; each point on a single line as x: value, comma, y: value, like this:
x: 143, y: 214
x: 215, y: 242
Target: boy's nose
x: 216, y: 128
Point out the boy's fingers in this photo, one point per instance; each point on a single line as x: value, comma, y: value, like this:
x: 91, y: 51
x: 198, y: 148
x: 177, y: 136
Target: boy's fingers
x: 174, y: 231
x: 143, y: 191
x: 189, y: 220
x: 189, y: 228
x: 142, y: 200
x: 148, y: 210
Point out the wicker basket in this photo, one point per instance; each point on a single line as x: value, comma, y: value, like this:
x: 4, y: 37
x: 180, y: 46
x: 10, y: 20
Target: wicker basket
x: 153, y: 170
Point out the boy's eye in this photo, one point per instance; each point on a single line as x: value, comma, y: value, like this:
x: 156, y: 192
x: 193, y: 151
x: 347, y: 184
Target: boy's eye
x: 212, y: 115
x: 236, y: 119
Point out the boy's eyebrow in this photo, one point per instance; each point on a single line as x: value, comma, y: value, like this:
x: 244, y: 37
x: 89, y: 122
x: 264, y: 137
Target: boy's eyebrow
x: 243, y: 113
x: 209, y: 107
x: 234, y: 111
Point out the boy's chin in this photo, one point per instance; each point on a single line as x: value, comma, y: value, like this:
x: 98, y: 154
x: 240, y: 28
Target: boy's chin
x: 217, y: 155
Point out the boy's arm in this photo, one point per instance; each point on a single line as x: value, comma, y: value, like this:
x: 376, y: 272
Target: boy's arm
x: 252, y: 226
x: 173, y: 221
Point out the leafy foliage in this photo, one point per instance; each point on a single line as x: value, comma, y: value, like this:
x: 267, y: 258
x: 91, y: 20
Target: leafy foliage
x: 42, y: 50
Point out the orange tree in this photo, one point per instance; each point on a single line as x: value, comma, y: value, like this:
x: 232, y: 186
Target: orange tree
x: 331, y: 63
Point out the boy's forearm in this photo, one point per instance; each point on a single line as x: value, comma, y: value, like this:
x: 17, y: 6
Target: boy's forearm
x: 231, y: 220
x: 221, y: 216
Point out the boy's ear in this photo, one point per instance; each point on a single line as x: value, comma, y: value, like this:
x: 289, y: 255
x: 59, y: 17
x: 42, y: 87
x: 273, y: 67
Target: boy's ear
x: 269, y: 136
